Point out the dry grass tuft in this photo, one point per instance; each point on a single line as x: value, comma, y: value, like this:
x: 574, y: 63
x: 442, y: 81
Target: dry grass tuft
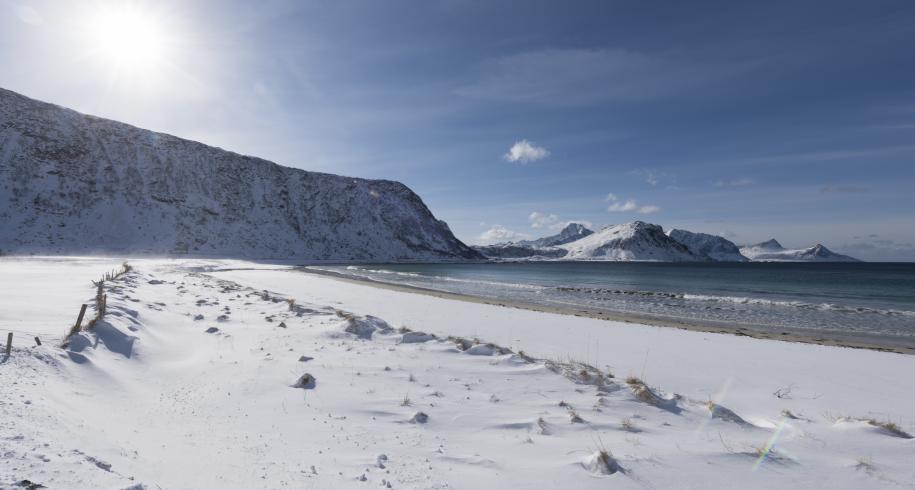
x: 890, y: 427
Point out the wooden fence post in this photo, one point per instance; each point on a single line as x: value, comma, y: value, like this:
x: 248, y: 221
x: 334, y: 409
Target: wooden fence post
x: 79, y: 319
x: 9, y: 343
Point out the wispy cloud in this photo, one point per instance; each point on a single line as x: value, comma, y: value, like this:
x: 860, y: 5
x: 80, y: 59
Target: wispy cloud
x: 744, y: 182
x: 828, y: 156
x: 540, y: 220
x: 551, y: 221
x: 651, y: 176
x: 620, y: 206
x: 499, y: 234
x: 843, y: 189
x: 571, y: 77
x: 525, y: 151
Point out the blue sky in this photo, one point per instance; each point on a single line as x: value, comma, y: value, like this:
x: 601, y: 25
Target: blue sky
x: 793, y: 120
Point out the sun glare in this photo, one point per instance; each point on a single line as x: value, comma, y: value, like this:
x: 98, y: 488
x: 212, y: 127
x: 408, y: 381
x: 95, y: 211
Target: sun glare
x: 127, y: 38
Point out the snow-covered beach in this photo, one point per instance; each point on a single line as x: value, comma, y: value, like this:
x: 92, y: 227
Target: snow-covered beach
x: 234, y: 374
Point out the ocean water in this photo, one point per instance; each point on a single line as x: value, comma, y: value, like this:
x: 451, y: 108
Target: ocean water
x: 865, y: 301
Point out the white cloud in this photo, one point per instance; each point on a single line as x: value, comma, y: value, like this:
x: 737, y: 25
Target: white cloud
x: 735, y: 183
x: 539, y: 220
x: 629, y: 205
x: 551, y: 221
x: 499, y: 234
x: 525, y: 151
x: 622, y: 206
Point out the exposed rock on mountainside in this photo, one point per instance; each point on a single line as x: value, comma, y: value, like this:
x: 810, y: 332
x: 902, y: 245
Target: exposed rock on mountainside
x: 72, y: 183
x: 715, y: 247
x: 630, y: 241
x: 772, y: 251
x: 572, y: 232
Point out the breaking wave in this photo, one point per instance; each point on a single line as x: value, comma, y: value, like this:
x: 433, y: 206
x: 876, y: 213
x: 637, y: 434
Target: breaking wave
x: 739, y: 300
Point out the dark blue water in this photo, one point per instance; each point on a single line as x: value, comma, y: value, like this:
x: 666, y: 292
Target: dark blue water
x: 860, y: 300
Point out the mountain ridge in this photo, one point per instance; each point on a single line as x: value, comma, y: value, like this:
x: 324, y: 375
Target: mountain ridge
x: 683, y: 245
x: 75, y: 183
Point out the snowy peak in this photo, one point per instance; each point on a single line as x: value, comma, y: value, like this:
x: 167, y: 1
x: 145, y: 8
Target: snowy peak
x: 636, y: 241
x: 821, y: 253
x: 572, y: 232
x: 713, y: 246
x: 73, y: 183
x: 771, y: 244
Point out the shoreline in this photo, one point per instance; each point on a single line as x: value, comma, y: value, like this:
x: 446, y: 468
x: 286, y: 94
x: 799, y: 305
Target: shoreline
x: 782, y: 335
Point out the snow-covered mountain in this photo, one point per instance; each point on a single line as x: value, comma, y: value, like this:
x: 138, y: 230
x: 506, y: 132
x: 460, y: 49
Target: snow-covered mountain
x: 72, y: 183
x: 630, y: 241
x: 541, y: 248
x: 715, y: 247
x: 772, y: 251
x: 571, y: 232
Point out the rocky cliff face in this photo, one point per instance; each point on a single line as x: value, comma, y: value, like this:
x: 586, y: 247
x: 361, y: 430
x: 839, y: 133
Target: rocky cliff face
x: 72, y: 183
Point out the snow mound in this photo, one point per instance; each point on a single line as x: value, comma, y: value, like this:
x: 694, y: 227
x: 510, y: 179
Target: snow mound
x: 416, y: 337
x: 481, y: 350
x: 602, y: 463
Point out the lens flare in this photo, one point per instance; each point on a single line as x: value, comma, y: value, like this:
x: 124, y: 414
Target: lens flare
x: 770, y: 444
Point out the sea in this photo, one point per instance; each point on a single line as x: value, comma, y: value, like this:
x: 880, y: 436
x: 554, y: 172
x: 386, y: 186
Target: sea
x: 872, y: 302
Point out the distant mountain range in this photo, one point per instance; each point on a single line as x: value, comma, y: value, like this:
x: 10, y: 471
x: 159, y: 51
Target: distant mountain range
x: 72, y: 183
x: 772, y: 251
x: 640, y: 241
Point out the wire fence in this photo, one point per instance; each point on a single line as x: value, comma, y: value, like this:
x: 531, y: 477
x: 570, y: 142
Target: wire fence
x: 101, y: 306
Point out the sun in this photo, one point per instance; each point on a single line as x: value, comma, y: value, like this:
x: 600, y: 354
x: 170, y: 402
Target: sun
x: 127, y: 38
